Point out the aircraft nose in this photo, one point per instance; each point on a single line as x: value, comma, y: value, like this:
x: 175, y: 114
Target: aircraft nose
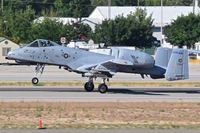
x: 10, y: 55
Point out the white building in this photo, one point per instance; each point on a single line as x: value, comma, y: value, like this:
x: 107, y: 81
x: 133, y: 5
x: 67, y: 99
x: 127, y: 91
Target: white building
x: 170, y: 13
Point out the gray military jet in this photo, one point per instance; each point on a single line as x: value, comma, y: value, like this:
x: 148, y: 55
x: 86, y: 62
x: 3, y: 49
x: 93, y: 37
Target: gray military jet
x: 171, y: 64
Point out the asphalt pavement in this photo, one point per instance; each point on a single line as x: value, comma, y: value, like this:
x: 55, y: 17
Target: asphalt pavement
x: 57, y: 94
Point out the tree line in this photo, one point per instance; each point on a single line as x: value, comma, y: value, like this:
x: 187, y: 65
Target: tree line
x: 81, y: 8
x: 17, y: 23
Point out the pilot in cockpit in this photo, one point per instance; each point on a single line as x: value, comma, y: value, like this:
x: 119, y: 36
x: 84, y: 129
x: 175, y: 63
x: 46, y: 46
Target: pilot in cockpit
x: 43, y: 43
x: 48, y: 43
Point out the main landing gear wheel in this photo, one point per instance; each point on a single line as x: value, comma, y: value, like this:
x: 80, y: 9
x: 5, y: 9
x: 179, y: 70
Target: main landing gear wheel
x: 35, y: 80
x: 103, y: 88
x: 89, y: 86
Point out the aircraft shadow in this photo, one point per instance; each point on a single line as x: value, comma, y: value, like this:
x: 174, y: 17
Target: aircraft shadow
x: 131, y: 91
x: 150, y: 92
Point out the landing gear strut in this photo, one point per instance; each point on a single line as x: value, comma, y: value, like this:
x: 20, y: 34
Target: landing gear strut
x: 38, y: 70
x: 89, y: 86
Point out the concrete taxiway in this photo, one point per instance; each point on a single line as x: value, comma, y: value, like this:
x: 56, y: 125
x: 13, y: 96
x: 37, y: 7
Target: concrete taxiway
x: 53, y: 73
x: 55, y: 94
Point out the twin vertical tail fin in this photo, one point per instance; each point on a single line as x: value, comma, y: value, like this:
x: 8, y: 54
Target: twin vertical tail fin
x: 177, y: 68
x: 162, y: 57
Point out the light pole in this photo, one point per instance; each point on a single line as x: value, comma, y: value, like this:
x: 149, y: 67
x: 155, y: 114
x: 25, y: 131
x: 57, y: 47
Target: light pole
x: 193, y: 6
x: 109, y: 10
x: 2, y: 5
x: 161, y: 25
x: 5, y: 27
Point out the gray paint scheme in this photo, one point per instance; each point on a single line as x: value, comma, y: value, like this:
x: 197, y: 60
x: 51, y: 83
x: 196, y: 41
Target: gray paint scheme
x: 91, y: 64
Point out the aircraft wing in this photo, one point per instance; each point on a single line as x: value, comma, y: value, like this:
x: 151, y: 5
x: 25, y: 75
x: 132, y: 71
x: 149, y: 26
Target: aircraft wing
x: 112, y: 65
x: 108, y: 68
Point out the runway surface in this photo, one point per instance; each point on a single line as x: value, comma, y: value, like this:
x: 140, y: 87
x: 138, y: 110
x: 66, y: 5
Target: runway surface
x: 52, y: 73
x: 101, y: 131
x: 114, y: 95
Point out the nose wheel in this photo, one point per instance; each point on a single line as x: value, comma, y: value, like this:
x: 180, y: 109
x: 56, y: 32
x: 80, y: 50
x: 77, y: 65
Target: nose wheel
x: 35, y: 80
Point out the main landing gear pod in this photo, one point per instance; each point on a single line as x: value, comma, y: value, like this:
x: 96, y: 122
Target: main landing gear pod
x: 89, y: 86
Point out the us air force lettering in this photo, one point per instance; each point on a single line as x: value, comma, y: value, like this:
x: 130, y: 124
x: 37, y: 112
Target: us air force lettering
x: 171, y: 64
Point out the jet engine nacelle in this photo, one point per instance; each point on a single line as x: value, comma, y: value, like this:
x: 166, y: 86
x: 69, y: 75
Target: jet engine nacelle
x: 138, y: 59
x: 157, y: 76
x: 25, y: 62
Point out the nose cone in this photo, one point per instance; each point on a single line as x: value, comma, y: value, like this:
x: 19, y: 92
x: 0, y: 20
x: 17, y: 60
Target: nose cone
x: 10, y: 55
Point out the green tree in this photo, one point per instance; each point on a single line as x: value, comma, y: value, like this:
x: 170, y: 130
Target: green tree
x: 17, y: 26
x: 135, y: 30
x: 53, y: 30
x: 74, y: 31
x: 48, y: 29
x: 80, y: 8
x: 4, y: 31
x: 187, y: 2
x: 37, y: 5
x: 166, y: 2
x: 185, y: 30
x: 62, y: 8
x: 142, y: 2
x: 59, y: 7
x: 99, y: 2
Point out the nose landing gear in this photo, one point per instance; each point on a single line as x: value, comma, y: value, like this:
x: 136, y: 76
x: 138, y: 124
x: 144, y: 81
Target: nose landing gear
x: 38, y: 70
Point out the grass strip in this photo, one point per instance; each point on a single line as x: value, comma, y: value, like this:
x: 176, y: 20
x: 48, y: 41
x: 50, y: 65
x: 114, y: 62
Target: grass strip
x: 104, y: 115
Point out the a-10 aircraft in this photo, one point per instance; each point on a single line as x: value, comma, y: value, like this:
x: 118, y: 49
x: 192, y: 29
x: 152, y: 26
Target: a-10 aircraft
x: 171, y: 64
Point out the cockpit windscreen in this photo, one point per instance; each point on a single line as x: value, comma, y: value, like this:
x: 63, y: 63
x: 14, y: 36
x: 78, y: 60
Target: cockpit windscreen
x: 42, y: 43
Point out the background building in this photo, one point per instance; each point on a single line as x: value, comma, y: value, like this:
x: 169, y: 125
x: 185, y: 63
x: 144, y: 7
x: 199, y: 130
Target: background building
x: 101, y: 13
x: 170, y: 13
x: 6, y: 46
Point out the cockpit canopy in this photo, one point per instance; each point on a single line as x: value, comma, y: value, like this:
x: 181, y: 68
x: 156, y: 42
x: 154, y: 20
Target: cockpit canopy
x: 42, y: 43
